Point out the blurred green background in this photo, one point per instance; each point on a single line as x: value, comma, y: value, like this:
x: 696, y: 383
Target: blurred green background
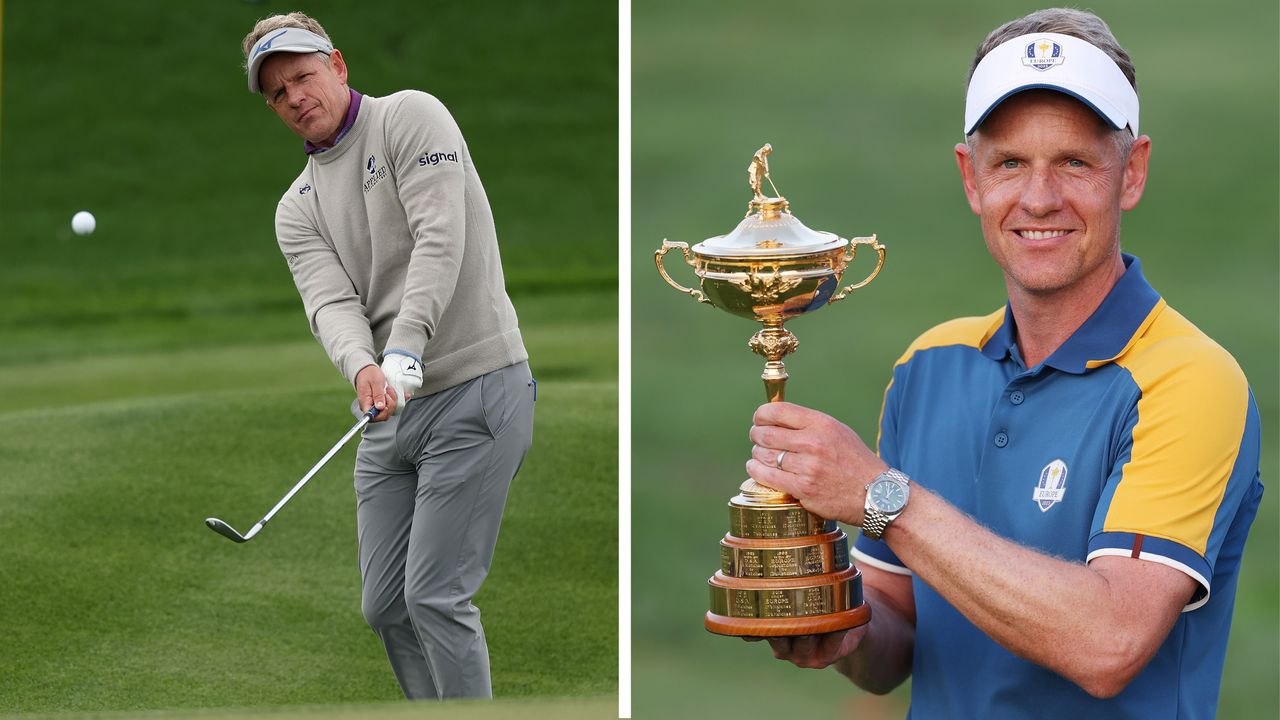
x: 863, y: 102
x: 160, y: 370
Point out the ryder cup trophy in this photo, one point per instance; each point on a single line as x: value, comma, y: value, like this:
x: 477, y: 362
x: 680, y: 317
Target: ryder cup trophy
x: 783, y: 570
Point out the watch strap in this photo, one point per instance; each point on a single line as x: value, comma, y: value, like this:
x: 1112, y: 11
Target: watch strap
x: 874, y: 523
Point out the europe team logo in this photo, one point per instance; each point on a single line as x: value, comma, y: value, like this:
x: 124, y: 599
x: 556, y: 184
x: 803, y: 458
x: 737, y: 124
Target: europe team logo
x: 1042, y: 54
x: 1052, y: 485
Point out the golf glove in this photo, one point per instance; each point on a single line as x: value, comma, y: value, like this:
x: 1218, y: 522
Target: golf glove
x: 404, y: 375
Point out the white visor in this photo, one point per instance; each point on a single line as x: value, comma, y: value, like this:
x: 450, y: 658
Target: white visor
x: 1051, y: 61
x: 291, y: 40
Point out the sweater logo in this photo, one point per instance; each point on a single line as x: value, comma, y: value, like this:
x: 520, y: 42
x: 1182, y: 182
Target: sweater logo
x: 1052, y: 485
x: 376, y: 173
x: 437, y: 158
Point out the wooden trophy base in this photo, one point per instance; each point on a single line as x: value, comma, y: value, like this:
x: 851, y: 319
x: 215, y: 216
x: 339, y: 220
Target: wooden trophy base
x: 782, y: 627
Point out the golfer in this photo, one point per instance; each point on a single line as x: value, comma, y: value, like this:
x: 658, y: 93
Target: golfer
x: 391, y: 242
x: 1054, y: 523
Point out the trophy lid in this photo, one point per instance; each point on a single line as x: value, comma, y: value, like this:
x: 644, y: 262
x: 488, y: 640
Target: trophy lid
x: 769, y: 229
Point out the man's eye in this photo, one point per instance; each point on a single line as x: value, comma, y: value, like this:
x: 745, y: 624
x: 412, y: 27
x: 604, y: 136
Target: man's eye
x: 1075, y: 162
x: 1009, y: 164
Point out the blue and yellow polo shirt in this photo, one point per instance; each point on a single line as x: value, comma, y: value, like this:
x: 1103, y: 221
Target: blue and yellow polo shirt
x: 1138, y: 437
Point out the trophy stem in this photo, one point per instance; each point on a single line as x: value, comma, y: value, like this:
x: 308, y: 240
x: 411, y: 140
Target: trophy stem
x: 775, y: 381
x: 774, y: 342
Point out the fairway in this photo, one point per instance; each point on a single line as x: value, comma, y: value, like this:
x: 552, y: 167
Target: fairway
x: 161, y: 371
x: 117, y: 596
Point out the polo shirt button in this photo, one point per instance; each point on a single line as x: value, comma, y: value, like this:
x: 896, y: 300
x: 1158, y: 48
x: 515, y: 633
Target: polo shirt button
x: 1001, y: 439
x: 1017, y: 397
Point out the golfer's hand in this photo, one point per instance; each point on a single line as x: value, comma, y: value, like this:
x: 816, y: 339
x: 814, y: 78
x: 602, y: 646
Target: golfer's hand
x: 371, y: 391
x: 816, y: 651
x: 403, y: 374
x: 826, y: 467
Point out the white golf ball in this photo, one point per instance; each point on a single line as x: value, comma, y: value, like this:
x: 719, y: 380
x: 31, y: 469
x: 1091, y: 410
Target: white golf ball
x: 83, y: 223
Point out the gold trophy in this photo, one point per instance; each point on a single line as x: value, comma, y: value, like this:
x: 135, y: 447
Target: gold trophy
x: 783, y: 570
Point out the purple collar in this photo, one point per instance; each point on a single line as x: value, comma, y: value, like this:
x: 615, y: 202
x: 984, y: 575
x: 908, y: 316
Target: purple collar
x: 353, y: 109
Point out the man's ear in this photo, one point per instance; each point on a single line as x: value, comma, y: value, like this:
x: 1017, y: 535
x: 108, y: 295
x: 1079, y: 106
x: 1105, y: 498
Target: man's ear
x: 1135, y: 173
x: 339, y: 65
x: 964, y: 160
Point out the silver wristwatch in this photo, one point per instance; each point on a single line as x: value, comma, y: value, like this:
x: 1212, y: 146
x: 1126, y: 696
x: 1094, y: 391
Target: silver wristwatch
x: 886, y: 497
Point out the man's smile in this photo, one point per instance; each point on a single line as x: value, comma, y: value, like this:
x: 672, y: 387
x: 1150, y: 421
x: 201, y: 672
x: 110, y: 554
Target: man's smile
x: 1041, y: 234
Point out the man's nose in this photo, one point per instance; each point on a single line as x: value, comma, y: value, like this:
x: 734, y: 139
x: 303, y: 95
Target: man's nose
x: 296, y: 95
x: 1042, y: 194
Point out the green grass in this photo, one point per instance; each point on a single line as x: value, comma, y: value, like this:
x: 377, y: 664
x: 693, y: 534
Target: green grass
x: 587, y: 708
x: 160, y: 370
x: 118, y: 598
x: 863, y: 103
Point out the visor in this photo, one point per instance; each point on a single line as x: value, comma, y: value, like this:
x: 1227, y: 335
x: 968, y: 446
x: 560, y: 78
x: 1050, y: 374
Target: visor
x: 291, y: 40
x: 1051, y: 61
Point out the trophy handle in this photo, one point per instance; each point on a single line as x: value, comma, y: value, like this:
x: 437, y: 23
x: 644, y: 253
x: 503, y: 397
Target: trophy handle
x: 684, y: 248
x: 852, y: 252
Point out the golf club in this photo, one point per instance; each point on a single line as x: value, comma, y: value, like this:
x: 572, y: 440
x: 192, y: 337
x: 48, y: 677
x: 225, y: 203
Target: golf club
x: 230, y: 533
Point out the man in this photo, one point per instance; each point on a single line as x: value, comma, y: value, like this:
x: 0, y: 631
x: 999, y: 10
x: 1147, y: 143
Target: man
x: 1053, y: 526
x: 391, y: 242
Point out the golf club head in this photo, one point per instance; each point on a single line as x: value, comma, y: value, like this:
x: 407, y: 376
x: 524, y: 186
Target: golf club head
x: 224, y: 530
x: 230, y: 533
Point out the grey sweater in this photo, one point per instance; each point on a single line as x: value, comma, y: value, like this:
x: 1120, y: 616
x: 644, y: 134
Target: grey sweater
x: 391, y: 243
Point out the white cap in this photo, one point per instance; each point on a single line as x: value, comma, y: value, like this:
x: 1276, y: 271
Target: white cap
x: 1051, y: 61
x: 292, y: 40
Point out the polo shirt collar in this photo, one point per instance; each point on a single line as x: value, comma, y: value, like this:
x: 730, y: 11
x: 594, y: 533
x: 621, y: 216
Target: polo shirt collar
x: 1107, y: 332
x: 353, y: 110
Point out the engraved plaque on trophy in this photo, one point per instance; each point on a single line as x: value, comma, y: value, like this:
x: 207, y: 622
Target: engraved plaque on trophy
x: 783, y: 570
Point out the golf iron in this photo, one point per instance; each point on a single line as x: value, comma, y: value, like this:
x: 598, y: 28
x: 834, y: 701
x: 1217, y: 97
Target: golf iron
x: 230, y: 533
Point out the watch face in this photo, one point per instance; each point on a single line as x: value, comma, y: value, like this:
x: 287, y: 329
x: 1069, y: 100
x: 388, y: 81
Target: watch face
x: 886, y: 496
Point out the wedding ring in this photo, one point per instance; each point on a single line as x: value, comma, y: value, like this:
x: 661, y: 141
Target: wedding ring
x: 778, y: 462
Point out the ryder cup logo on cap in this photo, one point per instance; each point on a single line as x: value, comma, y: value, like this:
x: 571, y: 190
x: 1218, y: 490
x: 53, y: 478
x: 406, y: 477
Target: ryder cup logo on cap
x: 1043, y: 54
x: 290, y: 40
x: 1040, y: 61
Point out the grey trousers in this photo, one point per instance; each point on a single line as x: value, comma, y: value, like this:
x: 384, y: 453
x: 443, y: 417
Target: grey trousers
x: 430, y: 485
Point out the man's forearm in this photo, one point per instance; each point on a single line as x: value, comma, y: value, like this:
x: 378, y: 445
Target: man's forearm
x: 883, y: 658
x: 343, y: 331
x: 1062, y: 615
